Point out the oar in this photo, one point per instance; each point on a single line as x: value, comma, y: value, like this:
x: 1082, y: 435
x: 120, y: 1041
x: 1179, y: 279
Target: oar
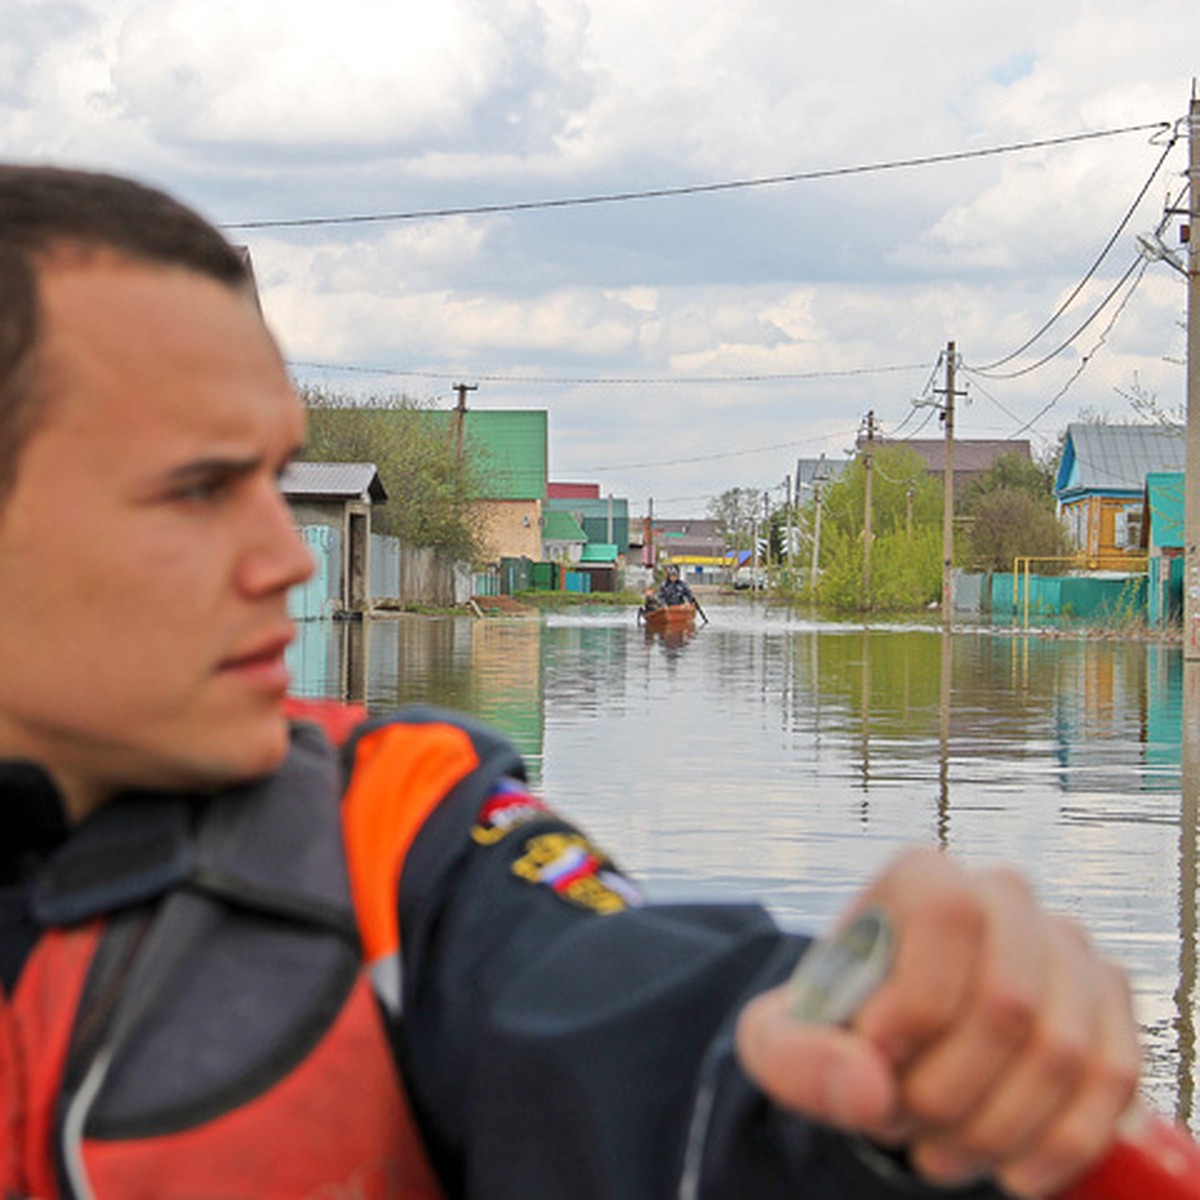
x: 700, y: 610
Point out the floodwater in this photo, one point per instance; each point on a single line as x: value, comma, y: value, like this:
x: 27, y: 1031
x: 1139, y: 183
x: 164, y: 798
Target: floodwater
x: 773, y: 757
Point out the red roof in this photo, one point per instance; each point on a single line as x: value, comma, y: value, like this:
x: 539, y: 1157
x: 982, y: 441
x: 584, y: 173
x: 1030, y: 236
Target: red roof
x: 572, y: 491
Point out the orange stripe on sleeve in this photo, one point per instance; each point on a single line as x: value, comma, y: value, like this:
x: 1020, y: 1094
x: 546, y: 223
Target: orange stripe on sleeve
x: 400, y: 774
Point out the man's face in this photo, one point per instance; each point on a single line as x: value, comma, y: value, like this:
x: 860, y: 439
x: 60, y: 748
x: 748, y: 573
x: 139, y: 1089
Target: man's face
x: 145, y: 550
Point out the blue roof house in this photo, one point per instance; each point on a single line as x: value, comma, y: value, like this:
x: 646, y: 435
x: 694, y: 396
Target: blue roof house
x: 1101, y: 487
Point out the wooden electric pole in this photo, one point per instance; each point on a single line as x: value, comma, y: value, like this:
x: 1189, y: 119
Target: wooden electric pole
x: 787, y: 492
x: 948, y: 487
x: 818, y: 479
x: 1191, y: 491
x: 460, y: 413
x: 766, y: 531
x: 868, y: 473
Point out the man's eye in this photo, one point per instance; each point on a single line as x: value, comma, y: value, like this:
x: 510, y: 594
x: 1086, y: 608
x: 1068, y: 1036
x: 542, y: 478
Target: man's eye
x: 202, y: 490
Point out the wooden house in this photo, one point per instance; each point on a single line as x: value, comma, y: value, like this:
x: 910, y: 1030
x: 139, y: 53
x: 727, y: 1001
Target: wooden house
x: 1101, y: 487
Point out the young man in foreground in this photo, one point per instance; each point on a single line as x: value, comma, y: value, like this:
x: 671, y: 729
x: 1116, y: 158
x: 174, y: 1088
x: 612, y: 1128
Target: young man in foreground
x: 204, y: 911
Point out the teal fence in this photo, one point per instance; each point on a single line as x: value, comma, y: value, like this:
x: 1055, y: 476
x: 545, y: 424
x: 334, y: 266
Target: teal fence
x: 1101, y: 599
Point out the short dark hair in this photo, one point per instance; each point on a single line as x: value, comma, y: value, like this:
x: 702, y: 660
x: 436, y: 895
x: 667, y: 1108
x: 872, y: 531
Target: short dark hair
x: 45, y: 210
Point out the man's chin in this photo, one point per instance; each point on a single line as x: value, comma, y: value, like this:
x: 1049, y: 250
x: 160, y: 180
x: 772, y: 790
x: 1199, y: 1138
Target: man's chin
x: 247, y: 752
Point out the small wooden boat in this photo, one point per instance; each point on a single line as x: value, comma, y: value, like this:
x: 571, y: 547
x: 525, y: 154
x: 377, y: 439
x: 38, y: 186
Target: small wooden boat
x: 668, y: 617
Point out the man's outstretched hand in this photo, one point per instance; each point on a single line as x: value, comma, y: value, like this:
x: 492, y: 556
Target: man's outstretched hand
x: 999, y: 1045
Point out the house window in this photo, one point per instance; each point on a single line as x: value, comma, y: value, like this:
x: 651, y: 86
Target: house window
x: 1127, y: 531
x: 1074, y: 519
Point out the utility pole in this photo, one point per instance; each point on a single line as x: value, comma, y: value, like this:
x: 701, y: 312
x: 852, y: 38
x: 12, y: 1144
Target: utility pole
x: 868, y: 456
x: 818, y: 479
x: 460, y: 413
x: 1189, y: 810
x: 948, y: 488
x: 767, y: 530
x: 1191, y: 491
x: 787, y: 491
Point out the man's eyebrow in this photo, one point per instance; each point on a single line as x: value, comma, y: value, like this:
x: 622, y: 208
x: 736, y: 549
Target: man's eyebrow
x: 222, y: 464
x: 208, y: 467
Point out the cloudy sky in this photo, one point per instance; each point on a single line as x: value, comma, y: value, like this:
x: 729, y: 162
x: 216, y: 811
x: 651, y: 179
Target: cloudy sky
x: 704, y: 337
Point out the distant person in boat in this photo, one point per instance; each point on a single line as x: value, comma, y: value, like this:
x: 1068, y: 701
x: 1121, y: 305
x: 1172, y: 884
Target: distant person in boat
x: 237, y: 961
x: 674, y: 590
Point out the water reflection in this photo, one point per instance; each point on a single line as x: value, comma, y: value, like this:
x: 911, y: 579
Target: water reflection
x: 669, y: 639
x: 775, y: 757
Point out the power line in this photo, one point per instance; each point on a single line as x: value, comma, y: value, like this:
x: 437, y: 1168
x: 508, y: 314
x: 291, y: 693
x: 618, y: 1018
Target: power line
x: 910, y: 437
x: 612, y: 381
x: 1062, y: 308
x: 1041, y: 362
x: 1006, y: 411
x: 912, y: 412
x: 699, y: 458
x: 1087, y: 358
x: 476, y: 210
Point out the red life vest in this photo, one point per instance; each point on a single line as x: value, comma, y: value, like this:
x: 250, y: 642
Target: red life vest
x: 224, y: 1040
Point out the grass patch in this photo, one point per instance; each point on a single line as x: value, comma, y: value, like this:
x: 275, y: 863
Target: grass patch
x: 578, y: 599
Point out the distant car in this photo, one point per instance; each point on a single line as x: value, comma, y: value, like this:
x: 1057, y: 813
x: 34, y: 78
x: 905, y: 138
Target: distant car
x: 750, y: 579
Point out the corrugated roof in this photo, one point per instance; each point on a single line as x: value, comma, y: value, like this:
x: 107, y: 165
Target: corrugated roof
x: 510, y: 446
x: 599, y: 552
x: 970, y: 454
x: 561, y: 527
x: 825, y: 470
x: 334, y: 481
x: 1117, y: 458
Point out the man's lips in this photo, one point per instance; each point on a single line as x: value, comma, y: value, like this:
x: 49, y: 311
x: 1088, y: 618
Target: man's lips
x: 264, y: 657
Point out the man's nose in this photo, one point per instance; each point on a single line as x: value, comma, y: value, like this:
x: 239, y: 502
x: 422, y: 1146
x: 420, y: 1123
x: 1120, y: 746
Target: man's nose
x: 278, y: 557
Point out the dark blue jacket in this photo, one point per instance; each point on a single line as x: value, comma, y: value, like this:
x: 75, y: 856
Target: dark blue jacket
x: 675, y: 591
x: 559, y: 1040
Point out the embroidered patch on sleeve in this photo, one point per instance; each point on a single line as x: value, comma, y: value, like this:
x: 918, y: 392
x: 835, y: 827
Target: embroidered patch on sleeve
x: 508, y: 807
x: 575, y: 870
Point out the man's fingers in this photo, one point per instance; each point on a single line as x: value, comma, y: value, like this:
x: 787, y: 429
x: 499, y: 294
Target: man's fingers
x: 1084, y: 1126
x: 1012, y: 1000
x: 830, y: 1074
x: 940, y: 927
x: 1040, y: 1074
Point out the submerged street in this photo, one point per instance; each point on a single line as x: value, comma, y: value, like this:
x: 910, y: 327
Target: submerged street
x: 775, y: 758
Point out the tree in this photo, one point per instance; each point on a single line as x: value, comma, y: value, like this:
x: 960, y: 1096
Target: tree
x: 1009, y: 523
x: 431, y: 486
x: 906, y: 507
x: 737, y: 513
x: 1012, y: 472
x: 901, y: 482
x: 1012, y: 513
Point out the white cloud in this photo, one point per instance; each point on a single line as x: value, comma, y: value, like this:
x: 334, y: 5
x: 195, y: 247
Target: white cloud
x: 369, y: 106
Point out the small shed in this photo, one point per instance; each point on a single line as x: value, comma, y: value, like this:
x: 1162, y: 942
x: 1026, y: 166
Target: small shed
x: 563, y: 539
x: 339, y: 497
x: 599, y: 562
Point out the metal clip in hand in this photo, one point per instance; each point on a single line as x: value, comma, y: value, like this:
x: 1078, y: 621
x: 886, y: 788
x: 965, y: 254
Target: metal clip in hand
x: 837, y: 975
